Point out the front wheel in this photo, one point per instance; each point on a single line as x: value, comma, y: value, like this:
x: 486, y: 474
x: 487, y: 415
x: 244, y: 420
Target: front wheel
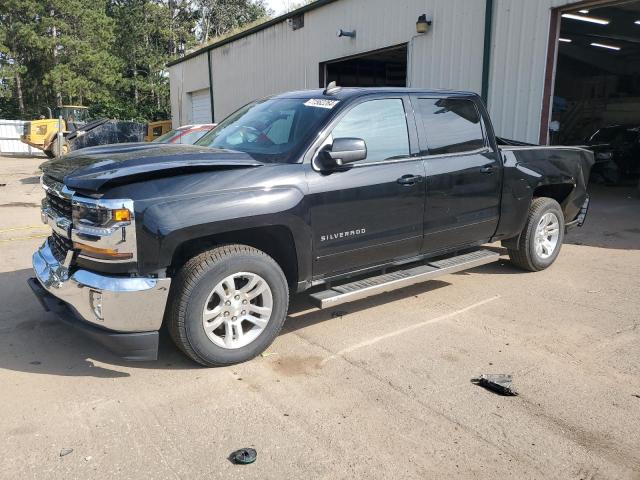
x: 227, y: 305
x: 53, y: 149
x: 542, y: 236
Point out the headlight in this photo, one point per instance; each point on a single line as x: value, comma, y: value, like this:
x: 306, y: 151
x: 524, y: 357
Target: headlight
x: 104, y: 230
x: 99, y: 221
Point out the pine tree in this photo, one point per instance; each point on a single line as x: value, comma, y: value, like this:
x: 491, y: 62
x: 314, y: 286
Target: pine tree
x: 110, y: 55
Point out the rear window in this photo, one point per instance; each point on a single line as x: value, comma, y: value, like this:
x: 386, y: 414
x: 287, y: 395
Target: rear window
x: 451, y: 125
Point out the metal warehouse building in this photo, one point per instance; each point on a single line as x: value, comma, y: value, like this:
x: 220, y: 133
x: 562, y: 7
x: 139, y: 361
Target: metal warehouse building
x: 516, y: 53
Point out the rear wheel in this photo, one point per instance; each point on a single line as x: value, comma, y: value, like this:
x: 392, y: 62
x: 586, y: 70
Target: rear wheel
x: 542, y: 236
x: 227, y: 305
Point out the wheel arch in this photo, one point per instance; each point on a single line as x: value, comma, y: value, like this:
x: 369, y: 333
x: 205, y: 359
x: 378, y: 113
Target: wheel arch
x: 277, y: 241
x: 560, y: 192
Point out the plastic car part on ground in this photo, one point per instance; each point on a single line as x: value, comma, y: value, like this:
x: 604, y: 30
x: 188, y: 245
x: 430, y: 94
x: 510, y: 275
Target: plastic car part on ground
x: 496, y: 382
x: 244, y: 456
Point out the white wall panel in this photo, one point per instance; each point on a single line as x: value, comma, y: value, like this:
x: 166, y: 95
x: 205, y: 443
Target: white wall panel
x: 518, y: 66
x: 185, y: 78
x: 279, y: 59
x: 450, y: 55
x: 10, y: 132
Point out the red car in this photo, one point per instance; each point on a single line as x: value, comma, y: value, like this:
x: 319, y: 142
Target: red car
x: 186, y: 135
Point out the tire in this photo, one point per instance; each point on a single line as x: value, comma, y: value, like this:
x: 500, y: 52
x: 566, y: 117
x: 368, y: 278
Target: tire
x: 53, y: 149
x: 527, y: 256
x: 193, y: 295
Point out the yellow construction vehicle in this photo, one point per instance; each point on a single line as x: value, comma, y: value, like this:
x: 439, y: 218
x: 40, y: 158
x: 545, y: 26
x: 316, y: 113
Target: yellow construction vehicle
x: 42, y: 133
x: 157, y: 129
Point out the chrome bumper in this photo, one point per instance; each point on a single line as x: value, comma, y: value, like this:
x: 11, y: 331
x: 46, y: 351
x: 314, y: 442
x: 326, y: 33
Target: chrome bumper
x: 118, y: 304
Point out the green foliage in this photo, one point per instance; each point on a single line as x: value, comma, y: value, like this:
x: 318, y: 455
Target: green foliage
x: 110, y: 55
x: 218, y: 17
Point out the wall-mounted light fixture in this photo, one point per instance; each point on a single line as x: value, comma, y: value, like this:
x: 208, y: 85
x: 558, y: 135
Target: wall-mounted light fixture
x: 422, y: 25
x: 345, y: 33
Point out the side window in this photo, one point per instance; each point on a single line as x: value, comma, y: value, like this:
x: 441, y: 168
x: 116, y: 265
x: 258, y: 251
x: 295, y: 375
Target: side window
x: 452, y: 125
x: 381, y: 124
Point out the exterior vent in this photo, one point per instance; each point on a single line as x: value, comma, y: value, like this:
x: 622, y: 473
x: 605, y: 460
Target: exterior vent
x: 297, y: 21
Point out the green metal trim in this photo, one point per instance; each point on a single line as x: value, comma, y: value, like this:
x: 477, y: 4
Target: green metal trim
x: 251, y: 31
x: 210, y: 87
x: 486, y: 57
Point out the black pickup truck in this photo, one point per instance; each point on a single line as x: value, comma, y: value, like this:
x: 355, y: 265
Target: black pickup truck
x: 343, y: 193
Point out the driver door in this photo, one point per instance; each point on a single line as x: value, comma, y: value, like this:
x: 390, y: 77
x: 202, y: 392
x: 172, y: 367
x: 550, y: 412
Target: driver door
x: 369, y: 212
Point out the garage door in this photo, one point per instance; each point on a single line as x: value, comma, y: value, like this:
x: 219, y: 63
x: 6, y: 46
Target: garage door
x: 200, y: 106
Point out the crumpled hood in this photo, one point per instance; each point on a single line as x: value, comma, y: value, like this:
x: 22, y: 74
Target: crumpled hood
x: 96, y: 167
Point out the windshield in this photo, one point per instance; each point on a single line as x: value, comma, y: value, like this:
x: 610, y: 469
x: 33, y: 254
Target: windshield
x: 270, y: 130
x: 74, y: 114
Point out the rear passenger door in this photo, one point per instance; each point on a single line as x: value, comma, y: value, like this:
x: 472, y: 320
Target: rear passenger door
x: 463, y: 174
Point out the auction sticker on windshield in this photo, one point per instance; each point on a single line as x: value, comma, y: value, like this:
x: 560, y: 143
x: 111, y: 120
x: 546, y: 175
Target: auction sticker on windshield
x: 321, y: 103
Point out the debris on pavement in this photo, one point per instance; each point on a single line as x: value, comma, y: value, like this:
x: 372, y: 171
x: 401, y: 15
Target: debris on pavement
x: 244, y: 456
x: 338, y: 314
x: 65, y: 451
x: 496, y: 382
x: 268, y: 354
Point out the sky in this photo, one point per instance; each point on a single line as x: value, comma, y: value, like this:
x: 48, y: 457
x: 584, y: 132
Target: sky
x: 279, y: 6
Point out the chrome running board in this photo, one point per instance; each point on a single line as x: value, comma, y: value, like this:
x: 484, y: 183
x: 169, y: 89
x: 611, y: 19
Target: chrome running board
x: 367, y: 287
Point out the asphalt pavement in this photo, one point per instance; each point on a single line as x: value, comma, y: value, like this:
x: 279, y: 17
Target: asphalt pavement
x: 379, y: 388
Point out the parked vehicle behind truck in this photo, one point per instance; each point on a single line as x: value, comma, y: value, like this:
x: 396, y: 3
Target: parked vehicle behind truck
x: 73, y: 129
x: 43, y: 132
x: 340, y: 193
x: 186, y: 134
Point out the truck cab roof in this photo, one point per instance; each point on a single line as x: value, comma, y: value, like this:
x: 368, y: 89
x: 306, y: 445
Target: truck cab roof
x: 347, y: 93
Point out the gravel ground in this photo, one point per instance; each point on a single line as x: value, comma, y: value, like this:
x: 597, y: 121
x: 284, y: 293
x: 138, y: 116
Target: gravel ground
x: 377, y: 389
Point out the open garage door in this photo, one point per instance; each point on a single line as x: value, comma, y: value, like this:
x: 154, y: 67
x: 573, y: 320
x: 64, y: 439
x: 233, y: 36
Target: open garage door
x: 597, y: 87
x: 381, y: 68
x: 200, y: 106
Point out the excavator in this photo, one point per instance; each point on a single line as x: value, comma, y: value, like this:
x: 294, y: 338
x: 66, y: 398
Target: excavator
x: 78, y: 131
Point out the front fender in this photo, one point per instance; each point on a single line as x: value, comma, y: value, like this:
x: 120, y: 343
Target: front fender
x: 165, y: 225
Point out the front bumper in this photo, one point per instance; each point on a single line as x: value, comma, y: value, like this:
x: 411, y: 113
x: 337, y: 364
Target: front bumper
x: 124, y: 313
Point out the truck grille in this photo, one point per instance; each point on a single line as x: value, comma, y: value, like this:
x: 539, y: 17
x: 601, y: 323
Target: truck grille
x: 62, y: 206
x: 59, y: 246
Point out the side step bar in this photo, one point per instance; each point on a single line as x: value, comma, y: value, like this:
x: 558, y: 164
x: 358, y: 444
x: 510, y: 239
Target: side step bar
x: 367, y: 287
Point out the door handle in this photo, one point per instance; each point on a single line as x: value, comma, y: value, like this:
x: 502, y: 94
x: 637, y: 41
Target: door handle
x: 488, y: 169
x: 409, y: 180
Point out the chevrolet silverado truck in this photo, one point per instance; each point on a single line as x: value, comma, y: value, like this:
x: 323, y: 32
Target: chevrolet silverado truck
x: 342, y: 193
